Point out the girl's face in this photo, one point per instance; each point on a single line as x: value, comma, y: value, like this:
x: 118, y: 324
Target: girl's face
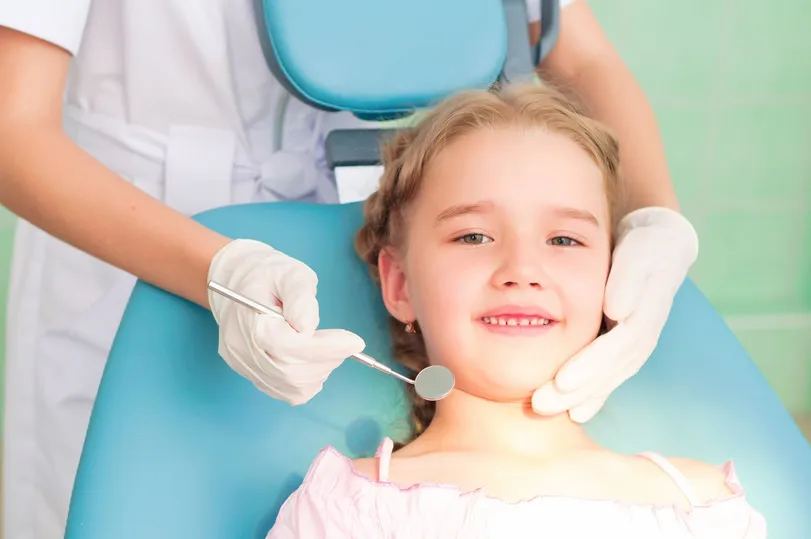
x: 506, y: 259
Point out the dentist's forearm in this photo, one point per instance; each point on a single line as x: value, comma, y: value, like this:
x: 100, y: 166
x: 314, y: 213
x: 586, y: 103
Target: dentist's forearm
x: 52, y: 183
x: 613, y: 96
x: 55, y: 185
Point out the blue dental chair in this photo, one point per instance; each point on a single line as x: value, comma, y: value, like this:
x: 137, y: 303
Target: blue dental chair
x: 181, y: 447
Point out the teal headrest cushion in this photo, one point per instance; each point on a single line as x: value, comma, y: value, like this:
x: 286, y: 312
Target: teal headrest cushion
x: 381, y: 56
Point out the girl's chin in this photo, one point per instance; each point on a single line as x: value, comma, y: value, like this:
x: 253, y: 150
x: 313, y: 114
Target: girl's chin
x: 518, y: 395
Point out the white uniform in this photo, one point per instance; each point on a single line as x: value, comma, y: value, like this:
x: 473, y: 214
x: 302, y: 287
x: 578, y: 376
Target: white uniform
x: 174, y: 96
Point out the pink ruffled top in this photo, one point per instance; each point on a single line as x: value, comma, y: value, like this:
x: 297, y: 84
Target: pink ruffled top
x: 336, y: 501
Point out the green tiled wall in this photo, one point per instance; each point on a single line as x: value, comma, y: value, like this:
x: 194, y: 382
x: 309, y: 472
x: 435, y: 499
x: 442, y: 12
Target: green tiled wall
x: 6, y: 236
x: 731, y: 85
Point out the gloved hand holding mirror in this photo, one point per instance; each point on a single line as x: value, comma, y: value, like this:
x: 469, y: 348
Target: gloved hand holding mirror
x: 288, y: 358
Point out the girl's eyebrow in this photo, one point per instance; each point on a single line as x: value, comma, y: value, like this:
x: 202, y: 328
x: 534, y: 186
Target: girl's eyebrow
x: 575, y: 213
x: 463, y: 209
x: 485, y: 206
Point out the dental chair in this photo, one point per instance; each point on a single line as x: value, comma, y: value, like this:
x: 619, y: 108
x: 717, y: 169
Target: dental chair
x: 181, y: 447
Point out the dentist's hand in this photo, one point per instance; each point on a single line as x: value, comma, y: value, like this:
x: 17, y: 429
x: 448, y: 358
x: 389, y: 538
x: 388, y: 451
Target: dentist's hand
x: 288, y: 361
x: 654, y: 251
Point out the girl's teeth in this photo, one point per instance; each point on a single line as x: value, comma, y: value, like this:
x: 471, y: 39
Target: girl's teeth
x: 497, y: 321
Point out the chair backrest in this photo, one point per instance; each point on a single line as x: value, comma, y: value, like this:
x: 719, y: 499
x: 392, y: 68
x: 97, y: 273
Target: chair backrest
x: 181, y: 447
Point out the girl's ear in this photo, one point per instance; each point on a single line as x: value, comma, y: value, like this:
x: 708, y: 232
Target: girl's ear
x: 393, y: 285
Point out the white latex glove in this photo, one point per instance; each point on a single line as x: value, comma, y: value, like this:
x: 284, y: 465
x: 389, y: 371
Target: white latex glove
x: 288, y: 361
x: 654, y: 251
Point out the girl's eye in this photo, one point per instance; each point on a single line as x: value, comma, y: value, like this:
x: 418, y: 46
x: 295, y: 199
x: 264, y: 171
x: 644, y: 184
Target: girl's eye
x: 563, y: 241
x: 474, y: 239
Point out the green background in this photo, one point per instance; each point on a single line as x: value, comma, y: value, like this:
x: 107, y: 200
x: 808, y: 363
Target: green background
x: 731, y: 86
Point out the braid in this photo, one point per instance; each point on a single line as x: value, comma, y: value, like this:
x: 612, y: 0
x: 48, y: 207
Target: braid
x: 383, y: 217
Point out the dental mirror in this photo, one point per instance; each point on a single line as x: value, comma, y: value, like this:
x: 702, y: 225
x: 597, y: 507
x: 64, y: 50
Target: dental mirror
x: 432, y: 383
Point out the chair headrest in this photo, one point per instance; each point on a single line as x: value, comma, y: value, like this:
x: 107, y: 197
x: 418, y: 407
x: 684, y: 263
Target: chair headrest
x: 380, y: 58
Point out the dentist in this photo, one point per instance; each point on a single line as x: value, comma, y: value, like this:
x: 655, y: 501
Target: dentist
x: 121, y: 118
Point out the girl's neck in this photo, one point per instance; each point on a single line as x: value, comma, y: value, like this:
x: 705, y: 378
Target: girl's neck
x: 464, y: 422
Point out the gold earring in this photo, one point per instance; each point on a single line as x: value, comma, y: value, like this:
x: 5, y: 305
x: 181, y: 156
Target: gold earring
x: 410, y: 328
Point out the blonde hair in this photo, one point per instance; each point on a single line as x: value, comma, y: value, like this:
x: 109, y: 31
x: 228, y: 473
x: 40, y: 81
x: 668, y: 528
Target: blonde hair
x: 407, y: 155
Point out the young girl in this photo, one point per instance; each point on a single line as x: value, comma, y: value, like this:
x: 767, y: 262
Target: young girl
x: 491, y: 237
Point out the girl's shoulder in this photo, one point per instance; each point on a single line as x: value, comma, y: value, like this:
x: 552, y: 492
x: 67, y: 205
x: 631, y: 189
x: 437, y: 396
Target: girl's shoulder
x: 367, y: 467
x: 708, y: 481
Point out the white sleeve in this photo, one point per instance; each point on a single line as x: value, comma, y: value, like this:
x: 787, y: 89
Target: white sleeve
x: 534, y: 8
x: 60, y: 22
